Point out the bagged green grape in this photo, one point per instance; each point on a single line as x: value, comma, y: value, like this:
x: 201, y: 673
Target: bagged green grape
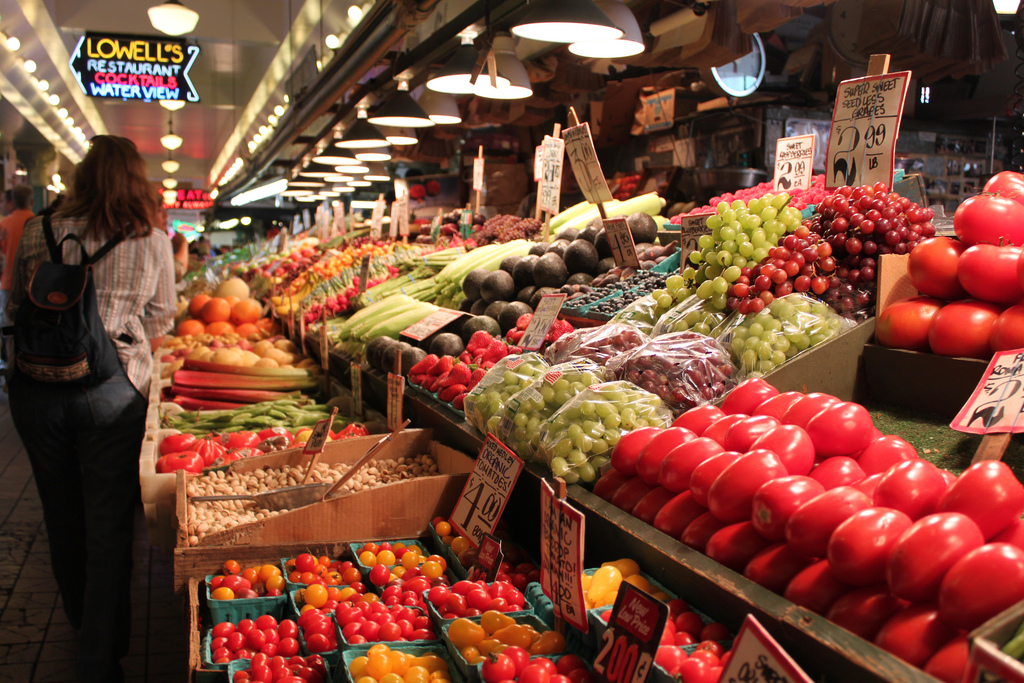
x: 695, y: 314
x: 762, y: 341
x: 508, y: 377
x: 577, y: 441
x: 520, y: 420
x: 644, y: 313
x: 599, y: 344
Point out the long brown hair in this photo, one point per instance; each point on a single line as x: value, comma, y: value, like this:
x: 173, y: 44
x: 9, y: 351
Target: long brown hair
x: 111, y: 189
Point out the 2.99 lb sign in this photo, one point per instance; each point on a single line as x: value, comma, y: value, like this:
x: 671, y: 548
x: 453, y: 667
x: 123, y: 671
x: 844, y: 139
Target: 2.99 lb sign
x: 630, y: 643
x: 486, y: 491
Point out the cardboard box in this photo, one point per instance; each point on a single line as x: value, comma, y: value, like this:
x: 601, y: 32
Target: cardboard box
x: 924, y: 381
x: 986, y: 662
x: 835, y: 367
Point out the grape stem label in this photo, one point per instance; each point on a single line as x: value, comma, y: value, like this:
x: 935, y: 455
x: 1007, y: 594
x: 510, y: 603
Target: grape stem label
x: 630, y: 643
x: 758, y: 658
x: 485, y: 494
x: 562, y: 530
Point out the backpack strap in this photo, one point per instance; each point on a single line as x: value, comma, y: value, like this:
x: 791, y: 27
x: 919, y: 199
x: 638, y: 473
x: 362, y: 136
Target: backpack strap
x: 56, y: 254
x: 57, y: 249
x: 105, y: 249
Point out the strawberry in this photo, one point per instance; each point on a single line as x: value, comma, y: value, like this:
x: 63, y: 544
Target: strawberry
x: 459, y: 374
x: 487, y: 365
x: 465, y: 357
x: 459, y: 402
x: 557, y: 329
x: 443, y: 365
x: 434, y: 384
x: 480, y: 339
x: 418, y: 378
x: 523, y: 321
x: 515, y: 335
x: 478, y: 375
x: 515, y: 349
x: 425, y: 365
x: 496, y: 351
x: 448, y: 393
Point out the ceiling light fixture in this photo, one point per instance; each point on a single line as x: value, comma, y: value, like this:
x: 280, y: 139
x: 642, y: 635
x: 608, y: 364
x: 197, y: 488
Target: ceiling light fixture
x: 401, y: 110
x: 173, y: 18
x: 172, y: 105
x: 228, y: 224
x: 374, y: 155
x: 400, y: 137
x: 377, y: 174
x: 246, y: 220
x: 361, y: 134
x: 279, y: 110
x: 338, y: 178
x: 631, y: 43
x: 455, y: 77
x: 30, y: 66
x: 512, y: 82
x: 306, y: 182
x: 272, y: 119
x: 171, y: 141
x: 169, y: 183
x: 296, y: 193
x: 566, y: 21
x: 332, y: 41
x: 440, y: 107
x: 54, y: 99
x: 170, y: 166
x: 262, y: 192
x: 170, y: 196
x: 43, y: 84
x: 352, y: 168
x: 315, y: 170
x: 344, y: 189
x: 333, y: 159
x: 13, y: 43
x: 355, y: 13
x: 359, y: 183
x: 62, y: 113
x: 329, y: 193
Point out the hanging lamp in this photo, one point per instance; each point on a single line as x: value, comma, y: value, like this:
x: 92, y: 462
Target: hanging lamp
x: 456, y: 76
x: 631, y: 43
x: 513, y: 83
x: 401, y: 111
x: 173, y: 18
x: 566, y: 21
x: 171, y: 141
x: 362, y: 134
x: 441, y: 107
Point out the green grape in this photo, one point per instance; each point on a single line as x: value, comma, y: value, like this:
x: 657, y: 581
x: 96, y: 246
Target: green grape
x: 748, y: 359
x: 739, y: 261
x: 587, y: 473
x: 776, y: 227
x: 627, y: 415
x: 728, y: 216
x: 738, y: 204
x: 745, y: 249
x: 769, y: 214
x: 702, y: 328
x: 571, y: 477
x: 576, y: 457
x: 675, y: 282
x: 720, y: 285
x: 759, y: 238
x: 716, y: 236
x: 599, y: 461
x: 725, y: 258
x: 711, y: 258
x: 779, y: 357
x: 714, y: 222
x: 695, y: 257
x: 559, y: 467
x: 562, y: 448
x: 711, y: 272
x: 612, y: 421
x: 721, y: 207
x: 664, y: 300
x: 759, y: 255
x: 689, y: 274
x: 765, y: 366
x: 751, y: 222
x: 755, y: 329
x: 780, y: 201
x: 705, y: 290
x: 705, y: 241
x: 728, y: 233
x: 719, y: 300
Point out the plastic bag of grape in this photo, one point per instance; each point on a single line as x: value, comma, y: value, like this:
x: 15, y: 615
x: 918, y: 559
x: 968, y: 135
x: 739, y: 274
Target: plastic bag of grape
x: 577, y: 441
x: 685, y: 369
x: 694, y: 313
x: 509, y: 376
x: 760, y: 342
x: 644, y: 313
x: 599, y: 344
x: 519, y: 424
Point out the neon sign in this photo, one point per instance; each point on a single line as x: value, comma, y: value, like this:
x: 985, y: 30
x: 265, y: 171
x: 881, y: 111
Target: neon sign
x: 134, y: 67
x: 196, y: 200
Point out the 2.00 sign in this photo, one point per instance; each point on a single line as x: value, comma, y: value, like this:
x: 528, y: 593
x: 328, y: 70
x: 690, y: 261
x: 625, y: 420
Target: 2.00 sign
x: 620, y: 661
x: 630, y: 642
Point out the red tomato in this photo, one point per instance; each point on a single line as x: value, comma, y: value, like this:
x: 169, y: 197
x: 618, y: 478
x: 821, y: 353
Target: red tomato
x: 865, y: 610
x: 840, y: 429
x: 884, y: 452
x: 913, y: 487
x: 987, y: 219
x: 718, y: 430
x: 988, y: 492
x: 837, y: 471
x: 791, y: 444
x: 776, y: 501
x: 1008, y: 184
x: 498, y: 668
x: 627, y: 451
x: 698, y: 419
x: 648, y: 465
x: 777, y: 406
x: 677, y: 514
x: 932, y: 268
x: 237, y: 440
x: 868, y: 485
x: 271, y: 432
x: 680, y: 462
x: 705, y: 474
x: 735, y: 545
x: 747, y: 396
x: 949, y: 662
x: 190, y: 461
x: 209, y: 449
x: 906, y: 323
x: 700, y: 530
x: 801, y: 412
x: 859, y: 548
x: 816, y: 588
x: 1013, y: 534
x: 924, y: 553
x: 731, y: 495
x: 609, y: 483
x: 914, y: 634
x: 810, y: 527
x: 775, y: 566
x: 651, y: 504
x: 1008, y: 329
x: 630, y: 493
x: 176, y: 443
x: 982, y: 584
x: 963, y: 328
x: 989, y: 272
x: 744, y: 433
x: 669, y: 658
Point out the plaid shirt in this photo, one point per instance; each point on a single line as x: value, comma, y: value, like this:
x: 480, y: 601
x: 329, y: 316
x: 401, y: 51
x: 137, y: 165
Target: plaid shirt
x: 134, y: 287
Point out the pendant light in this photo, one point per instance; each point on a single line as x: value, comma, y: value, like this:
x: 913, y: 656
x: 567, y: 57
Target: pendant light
x: 401, y: 137
x: 169, y: 183
x: 513, y: 83
x: 344, y: 189
x: 171, y: 141
x: 377, y: 174
x: 361, y: 134
x: 631, y: 43
x: 172, y: 105
x: 440, y: 107
x: 359, y: 183
x: 170, y: 166
x: 401, y: 111
x: 338, y: 178
x: 456, y: 76
x: 332, y: 159
x: 566, y: 21
x: 305, y: 182
x: 296, y: 193
x: 173, y: 18
x: 352, y: 168
x: 378, y: 154
x: 315, y: 170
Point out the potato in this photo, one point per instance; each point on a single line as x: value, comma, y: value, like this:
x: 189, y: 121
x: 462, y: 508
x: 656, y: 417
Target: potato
x: 249, y: 359
x: 198, y: 352
x: 266, y: 363
x: 260, y: 348
x: 286, y: 345
x: 230, y: 356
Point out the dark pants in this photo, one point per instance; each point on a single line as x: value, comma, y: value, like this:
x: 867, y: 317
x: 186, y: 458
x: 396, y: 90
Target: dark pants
x: 84, y: 444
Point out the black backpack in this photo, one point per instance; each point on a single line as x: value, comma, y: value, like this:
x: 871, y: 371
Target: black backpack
x: 58, y: 333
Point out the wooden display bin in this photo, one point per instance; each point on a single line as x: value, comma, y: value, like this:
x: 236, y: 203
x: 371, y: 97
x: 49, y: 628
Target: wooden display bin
x: 987, y: 663
x: 400, y: 510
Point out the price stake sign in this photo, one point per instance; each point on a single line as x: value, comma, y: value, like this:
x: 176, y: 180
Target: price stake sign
x: 562, y: 529
x: 691, y: 228
x: 997, y: 404
x: 794, y: 163
x: 339, y: 220
x: 478, y: 174
x: 630, y: 643
x: 316, y: 441
x: 758, y: 658
x: 431, y: 324
x: 324, y: 347
x: 579, y: 146
x: 550, y: 191
x: 364, y: 273
x: 538, y: 163
x: 488, y: 560
x: 465, y: 222
x: 486, y: 491
x: 401, y: 211
x: 865, y: 125
x: 393, y: 225
x: 621, y: 241
x: 356, y: 379
x: 377, y: 219
x: 435, y: 226
x: 396, y: 392
x: 543, y: 318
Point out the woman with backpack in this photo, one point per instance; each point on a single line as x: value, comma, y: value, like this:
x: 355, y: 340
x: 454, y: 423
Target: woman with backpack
x: 93, y: 295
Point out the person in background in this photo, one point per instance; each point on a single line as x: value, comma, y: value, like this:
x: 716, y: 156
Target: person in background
x: 203, y: 246
x: 11, y: 227
x: 180, y: 246
x: 83, y: 442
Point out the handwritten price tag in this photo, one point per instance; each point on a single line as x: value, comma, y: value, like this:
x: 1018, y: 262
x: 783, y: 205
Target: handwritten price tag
x: 339, y: 220
x: 997, y: 403
x: 865, y: 125
x: 401, y: 210
x: 396, y: 392
x: 538, y: 163
x: 621, y: 241
x: 488, y: 559
x: 364, y: 273
x: 486, y: 491
x: 758, y: 658
x: 562, y: 529
x: 356, y: 379
x: 550, y: 191
x: 321, y: 432
x: 431, y: 324
x: 543, y: 318
x: 465, y: 222
x: 630, y: 643
x: 579, y: 145
x: 478, y: 174
x: 794, y: 161
x: 324, y: 347
x: 690, y: 230
x: 377, y: 219
x: 393, y: 225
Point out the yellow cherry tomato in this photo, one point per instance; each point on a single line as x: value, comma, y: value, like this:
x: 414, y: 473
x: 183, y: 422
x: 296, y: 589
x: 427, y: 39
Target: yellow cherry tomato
x: 357, y: 668
x: 391, y: 678
x: 442, y: 528
x: 431, y: 570
x: 605, y: 580
x: 400, y: 662
x: 548, y: 643
x: 464, y: 633
x: 492, y: 620
x: 316, y: 595
x: 222, y: 593
x: 516, y: 634
x: 378, y: 665
x: 626, y: 566
x: 640, y: 582
x: 417, y: 674
x: 460, y: 544
x: 368, y: 558
x: 386, y: 557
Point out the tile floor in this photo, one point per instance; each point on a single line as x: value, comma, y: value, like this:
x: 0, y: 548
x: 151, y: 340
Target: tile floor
x: 36, y: 641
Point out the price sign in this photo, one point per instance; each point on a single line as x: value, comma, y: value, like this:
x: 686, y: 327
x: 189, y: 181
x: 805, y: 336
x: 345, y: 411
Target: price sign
x: 865, y: 125
x: 393, y: 225
x: 488, y: 560
x: 356, y: 379
x: 435, y: 226
x: 579, y: 145
x: 538, y: 163
x: 323, y: 226
x: 364, y: 273
x: 339, y: 220
x: 997, y: 404
x: 621, y: 241
x: 286, y: 242
x: 465, y: 222
x: 630, y: 643
x: 324, y: 347
x: 431, y: 324
x: 401, y: 210
x: 543, y: 318
x: 690, y: 230
x: 794, y: 162
x: 306, y: 222
x: 396, y: 392
x: 321, y: 432
x: 562, y: 529
x: 550, y: 191
x: 377, y: 219
x: 478, y: 174
x: 758, y: 658
x: 486, y: 491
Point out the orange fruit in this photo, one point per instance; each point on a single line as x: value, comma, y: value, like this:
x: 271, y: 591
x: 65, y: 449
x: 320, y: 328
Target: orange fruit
x: 268, y: 325
x: 247, y: 330
x: 196, y: 305
x: 232, y: 300
x: 245, y: 311
x: 216, y: 310
x: 190, y: 327
x: 219, y: 328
